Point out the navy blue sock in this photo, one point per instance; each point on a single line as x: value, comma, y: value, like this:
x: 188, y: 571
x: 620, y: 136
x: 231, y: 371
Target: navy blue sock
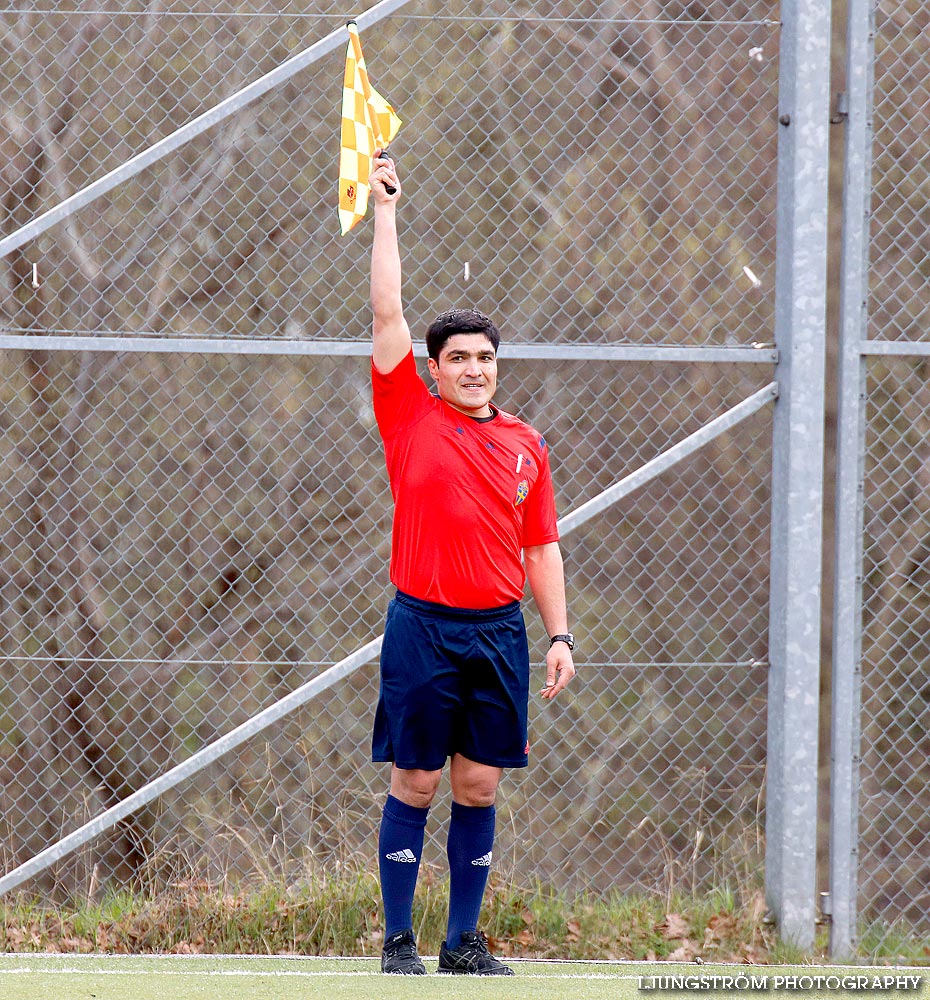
x: 400, y: 846
x: 471, y: 838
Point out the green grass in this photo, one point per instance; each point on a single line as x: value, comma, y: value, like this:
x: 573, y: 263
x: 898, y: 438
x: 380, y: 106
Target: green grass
x: 51, y: 977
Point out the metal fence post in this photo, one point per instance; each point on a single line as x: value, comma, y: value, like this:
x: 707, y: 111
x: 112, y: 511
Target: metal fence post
x: 850, y: 458
x: 797, y: 488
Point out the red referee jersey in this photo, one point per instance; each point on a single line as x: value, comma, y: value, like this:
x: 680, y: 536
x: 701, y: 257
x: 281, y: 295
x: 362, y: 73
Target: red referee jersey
x: 469, y: 494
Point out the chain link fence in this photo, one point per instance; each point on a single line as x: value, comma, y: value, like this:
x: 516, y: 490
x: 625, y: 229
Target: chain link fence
x: 190, y: 530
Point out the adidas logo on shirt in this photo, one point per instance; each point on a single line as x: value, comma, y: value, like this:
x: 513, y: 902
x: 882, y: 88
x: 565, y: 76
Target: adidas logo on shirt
x: 406, y: 856
x: 484, y: 861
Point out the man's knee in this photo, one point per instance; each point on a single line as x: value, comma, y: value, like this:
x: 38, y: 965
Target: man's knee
x: 414, y: 787
x: 474, y: 784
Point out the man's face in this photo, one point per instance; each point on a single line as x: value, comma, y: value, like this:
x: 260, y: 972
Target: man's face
x: 466, y: 373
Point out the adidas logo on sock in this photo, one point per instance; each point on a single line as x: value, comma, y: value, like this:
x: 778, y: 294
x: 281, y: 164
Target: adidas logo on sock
x: 484, y: 861
x: 406, y: 856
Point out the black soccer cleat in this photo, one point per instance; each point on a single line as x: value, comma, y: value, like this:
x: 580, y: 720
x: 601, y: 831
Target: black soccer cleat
x: 399, y: 955
x: 471, y: 958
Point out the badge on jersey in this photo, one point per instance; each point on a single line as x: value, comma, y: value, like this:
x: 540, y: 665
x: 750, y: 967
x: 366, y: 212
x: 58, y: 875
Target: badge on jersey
x: 523, y: 490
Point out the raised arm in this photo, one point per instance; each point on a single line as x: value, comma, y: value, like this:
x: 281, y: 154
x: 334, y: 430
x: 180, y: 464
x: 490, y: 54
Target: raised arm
x: 390, y: 335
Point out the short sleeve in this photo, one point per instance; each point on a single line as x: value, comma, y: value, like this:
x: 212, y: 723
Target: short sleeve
x: 399, y: 397
x: 540, y: 519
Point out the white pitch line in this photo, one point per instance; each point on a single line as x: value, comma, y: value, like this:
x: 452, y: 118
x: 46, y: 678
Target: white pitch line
x: 270, y: 973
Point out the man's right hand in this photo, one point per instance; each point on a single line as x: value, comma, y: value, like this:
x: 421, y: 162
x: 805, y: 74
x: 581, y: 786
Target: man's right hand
x: 382, y: 177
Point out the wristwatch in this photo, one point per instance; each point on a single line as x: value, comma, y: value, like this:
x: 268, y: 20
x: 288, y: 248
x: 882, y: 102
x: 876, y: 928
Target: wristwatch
x: 565, y: 637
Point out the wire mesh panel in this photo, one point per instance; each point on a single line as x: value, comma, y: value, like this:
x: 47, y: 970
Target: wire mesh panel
x: 606, y: 170
x: 894, y: 859
x: 208, y: 547
x: 186, y: 536
x: 899, y: 306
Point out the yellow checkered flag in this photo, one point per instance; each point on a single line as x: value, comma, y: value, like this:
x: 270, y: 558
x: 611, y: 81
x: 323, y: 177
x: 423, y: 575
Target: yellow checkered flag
x: 368, y: 123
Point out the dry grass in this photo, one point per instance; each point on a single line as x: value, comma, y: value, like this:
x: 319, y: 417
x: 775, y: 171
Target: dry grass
x: 339, y: 913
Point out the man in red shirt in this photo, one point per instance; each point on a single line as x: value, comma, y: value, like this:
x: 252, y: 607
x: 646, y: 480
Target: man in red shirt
x: 474, y: 520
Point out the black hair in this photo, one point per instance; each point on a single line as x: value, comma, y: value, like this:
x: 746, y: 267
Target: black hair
x: 454, y: 321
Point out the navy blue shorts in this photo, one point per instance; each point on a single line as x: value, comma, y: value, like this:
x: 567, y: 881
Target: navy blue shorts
x: 452, y: 681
